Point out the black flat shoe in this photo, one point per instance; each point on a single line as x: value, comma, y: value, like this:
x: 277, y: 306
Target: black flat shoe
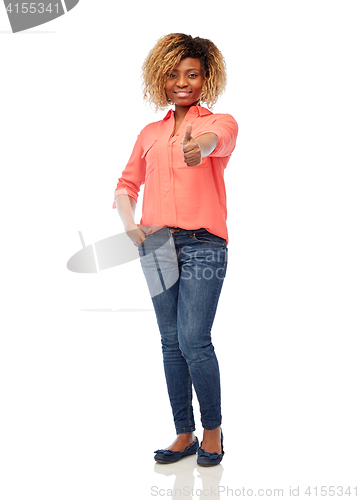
x: 170, y: 456
x: 206, y: 459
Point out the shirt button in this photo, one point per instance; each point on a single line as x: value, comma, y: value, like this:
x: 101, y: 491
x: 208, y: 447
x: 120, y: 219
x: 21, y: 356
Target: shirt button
x: 177, y: 134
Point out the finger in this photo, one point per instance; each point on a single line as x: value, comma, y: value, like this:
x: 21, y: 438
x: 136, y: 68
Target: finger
x: 193, y: 153
x: 192, y: 160
x: 187, y: 134
x: 141, y: 234
x: 189, y: 156
x: 188, y: 147
x: 146, y: 229
x: 191, y: 147
x: 193, y: 163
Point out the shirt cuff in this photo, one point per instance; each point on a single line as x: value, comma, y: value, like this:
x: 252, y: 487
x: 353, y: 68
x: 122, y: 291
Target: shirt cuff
x: 125, y: 192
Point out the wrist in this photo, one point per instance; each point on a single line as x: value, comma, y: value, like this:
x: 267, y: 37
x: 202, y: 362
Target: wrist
x: 207, y: 143
x: 130, y: 226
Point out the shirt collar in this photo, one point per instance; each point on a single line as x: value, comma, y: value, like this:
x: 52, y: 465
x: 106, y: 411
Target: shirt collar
x: 193, y: 110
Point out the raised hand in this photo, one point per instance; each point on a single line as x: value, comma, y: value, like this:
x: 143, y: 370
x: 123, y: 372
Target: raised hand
x: 191, y: 149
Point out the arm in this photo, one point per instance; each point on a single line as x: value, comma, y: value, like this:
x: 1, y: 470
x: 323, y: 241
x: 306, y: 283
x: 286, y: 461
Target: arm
x: 126, y: 210
x: 225, y: 128
x: 126, y: 193
x: 207, y: 143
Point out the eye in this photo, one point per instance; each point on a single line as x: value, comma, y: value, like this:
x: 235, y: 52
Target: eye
x: 194, y: 74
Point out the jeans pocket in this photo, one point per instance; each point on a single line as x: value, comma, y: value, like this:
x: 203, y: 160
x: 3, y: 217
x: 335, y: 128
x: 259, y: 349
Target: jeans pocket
x: 205, y: 236
x: 141, y: 246
x: 154, y: 241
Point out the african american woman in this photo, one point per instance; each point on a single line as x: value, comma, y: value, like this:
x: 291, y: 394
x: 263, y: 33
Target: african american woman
x: 182, y: 237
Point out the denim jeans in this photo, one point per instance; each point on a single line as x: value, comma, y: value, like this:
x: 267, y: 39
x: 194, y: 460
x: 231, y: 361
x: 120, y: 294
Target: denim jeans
x: 184, y: 270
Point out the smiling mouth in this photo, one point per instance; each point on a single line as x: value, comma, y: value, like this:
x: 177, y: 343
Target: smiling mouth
x: 182, y: 93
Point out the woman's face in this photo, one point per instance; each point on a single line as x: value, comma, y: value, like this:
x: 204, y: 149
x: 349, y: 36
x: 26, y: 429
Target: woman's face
x: 184, y: 84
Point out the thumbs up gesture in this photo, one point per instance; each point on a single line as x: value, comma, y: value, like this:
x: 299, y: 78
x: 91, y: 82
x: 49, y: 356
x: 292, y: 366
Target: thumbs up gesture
x: 191, y: 149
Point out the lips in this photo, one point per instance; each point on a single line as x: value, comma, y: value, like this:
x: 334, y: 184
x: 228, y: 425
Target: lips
x: 182, y: 93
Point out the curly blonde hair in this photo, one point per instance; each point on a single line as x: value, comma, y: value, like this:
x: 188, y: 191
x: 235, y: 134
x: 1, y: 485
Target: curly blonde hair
x: 167, y: 54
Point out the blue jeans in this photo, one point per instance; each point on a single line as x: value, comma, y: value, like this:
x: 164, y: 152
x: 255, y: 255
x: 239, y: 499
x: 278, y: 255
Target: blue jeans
x: 184, y: 270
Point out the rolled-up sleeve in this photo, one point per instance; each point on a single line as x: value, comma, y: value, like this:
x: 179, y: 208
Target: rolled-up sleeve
x: 133, y: 175
x: 225, y: 128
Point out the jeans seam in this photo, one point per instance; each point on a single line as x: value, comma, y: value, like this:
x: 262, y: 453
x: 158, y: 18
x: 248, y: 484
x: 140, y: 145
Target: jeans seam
x: 216, y: 293
x: 204, y: 241
x: 179, y: 247
x: 189, y: 398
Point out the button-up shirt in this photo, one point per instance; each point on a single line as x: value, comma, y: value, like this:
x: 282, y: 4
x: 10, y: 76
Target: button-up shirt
x: 175, y: 194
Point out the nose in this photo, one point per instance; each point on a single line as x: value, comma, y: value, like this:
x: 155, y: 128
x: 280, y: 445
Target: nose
x: 182, y: 81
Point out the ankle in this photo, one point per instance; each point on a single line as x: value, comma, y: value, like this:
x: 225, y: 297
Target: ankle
x: 212, y: 433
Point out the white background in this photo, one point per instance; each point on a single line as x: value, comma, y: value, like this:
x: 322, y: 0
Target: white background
x: 83, y: 395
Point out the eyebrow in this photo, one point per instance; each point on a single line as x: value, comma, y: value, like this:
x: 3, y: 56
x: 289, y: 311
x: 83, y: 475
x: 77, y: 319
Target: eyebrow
x: 189, y: 69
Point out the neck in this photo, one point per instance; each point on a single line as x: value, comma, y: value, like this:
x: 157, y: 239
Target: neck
x: 181, y: 111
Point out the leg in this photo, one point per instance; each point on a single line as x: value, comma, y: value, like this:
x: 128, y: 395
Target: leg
x: 179, y: 383
x: 160, y: 266
x: 203, y: 264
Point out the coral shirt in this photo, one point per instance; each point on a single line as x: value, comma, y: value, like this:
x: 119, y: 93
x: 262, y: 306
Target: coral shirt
x: 175, y: 194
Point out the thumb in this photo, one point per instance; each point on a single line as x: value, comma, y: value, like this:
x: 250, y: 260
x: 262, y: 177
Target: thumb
x: 146, y: 229
x: 187, y: 134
